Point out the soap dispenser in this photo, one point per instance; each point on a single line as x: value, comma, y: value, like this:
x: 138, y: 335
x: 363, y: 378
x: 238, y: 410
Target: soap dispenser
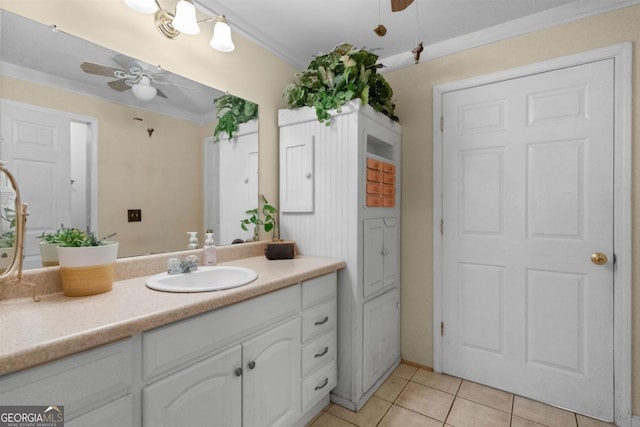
x: 210, y: 256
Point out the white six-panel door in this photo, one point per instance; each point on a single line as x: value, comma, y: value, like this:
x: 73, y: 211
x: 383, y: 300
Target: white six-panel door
x: 527, y: 200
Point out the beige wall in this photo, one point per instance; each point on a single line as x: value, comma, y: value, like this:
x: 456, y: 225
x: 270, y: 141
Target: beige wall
x: 413, y: 91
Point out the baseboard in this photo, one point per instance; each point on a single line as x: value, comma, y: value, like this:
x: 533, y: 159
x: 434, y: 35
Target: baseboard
x: 417, y: 365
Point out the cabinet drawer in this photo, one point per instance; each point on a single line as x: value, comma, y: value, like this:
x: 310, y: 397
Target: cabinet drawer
x: 374, y: 176
x: 388, y: 168
x: 318, y: 352
x: 318, y: 385
x: 388, y: 179
x: 318, y: 320
x: 118, y: 413
x: 78, y: 382
x: 168, y: 347
x: 319, y: 289
x: 374, y: 164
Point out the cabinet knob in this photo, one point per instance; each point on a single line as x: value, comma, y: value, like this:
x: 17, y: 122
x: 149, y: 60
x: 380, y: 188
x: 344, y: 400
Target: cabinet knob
x: 251, y: 364
x: 308, y: 175
x: 238, y: 372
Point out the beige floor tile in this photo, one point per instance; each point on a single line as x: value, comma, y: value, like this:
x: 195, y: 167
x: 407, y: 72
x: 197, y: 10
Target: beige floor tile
x: 328, y: 420
x: 369, y: 415
x: 404, y: 371
x: 401, y: 417
x: 541, y: 413
x: 521, y: 422
x: 466, y: 413
x: 442, y: 382
x: 391, y: 388
x: 425, y: 400
x: 590, y: 422
x: 488, y: 396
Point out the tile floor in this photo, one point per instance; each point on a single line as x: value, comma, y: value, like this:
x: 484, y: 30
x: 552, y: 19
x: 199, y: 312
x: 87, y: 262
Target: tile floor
x: 413, y: 397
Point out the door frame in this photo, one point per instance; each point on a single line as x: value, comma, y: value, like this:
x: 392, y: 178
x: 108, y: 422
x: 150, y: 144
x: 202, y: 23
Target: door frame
x: 621, y: 54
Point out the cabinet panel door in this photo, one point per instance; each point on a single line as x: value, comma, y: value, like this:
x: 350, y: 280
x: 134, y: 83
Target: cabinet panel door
x: 296, y: 171
x: 390, y: 252
x: 207, y: 393
x: 381, y: 336
x: 271, y: 379
x: 373, y: 247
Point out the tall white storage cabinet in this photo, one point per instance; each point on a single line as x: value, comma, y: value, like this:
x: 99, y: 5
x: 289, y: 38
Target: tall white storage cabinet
x: 340, y: 197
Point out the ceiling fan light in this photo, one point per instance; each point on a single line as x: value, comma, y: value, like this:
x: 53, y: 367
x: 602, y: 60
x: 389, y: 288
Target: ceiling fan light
x: 185, y: 20
x: 142, y: 6
x: 143, y: 89
x: 221, y: 39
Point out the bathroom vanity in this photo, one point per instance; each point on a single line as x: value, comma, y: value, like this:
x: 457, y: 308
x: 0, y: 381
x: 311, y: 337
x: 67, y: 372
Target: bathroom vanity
x: 263, y: 354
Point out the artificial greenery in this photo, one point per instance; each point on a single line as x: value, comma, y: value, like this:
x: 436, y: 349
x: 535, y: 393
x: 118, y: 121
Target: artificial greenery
x: 269, y: 220
x: 73, y: 238
x: 232, y: 112
x: 333, y: 79
x: 8, y: 239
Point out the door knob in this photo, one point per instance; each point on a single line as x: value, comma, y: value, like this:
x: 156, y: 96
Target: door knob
x: 598, y: 258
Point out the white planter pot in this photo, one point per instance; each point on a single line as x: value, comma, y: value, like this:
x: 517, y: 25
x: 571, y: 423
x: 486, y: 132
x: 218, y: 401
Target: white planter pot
x: 87, y: 270
x: 48, y: 254
x: 6, y: 255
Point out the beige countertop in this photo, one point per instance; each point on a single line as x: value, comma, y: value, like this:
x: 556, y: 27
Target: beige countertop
x: 32, y: 333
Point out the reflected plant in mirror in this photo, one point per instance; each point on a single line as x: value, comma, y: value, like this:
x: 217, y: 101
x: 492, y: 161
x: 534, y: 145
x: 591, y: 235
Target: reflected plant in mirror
x: 232, y: 111
x: 96, y: 161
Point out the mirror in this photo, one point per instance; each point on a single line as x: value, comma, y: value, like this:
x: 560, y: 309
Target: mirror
x: 89, y: 153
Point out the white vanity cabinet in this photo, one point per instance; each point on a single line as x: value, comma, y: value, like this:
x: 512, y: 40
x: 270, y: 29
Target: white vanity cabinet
x: 265, y: 361
x: 95, y: 386
x: 250, y: 373
x: 340, y: 197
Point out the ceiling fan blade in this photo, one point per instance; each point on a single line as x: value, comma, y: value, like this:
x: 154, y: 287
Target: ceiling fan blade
x: 97, y: 69
x: 398, y: 5
x: 161, y: 94
x: 119, y: 85
x: 126, y: 62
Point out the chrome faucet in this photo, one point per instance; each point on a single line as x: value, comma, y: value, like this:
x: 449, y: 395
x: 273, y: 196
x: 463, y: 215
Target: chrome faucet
x: 187, y: 266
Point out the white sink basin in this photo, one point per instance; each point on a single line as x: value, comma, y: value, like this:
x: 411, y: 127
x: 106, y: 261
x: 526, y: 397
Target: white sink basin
x: 204, y: 279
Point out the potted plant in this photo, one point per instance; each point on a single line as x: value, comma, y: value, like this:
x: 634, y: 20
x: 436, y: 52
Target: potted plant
x: 232, y: 111
x: 269, y: 220
x: 333, y: 79
x: 48, y: 249
x: 87, y: 264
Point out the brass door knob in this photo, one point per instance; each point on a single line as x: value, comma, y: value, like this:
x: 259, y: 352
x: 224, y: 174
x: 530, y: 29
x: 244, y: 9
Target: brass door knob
x: 598, y: 258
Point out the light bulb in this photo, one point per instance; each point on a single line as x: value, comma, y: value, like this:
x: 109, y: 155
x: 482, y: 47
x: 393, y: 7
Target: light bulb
x: 142, y: 6
x: 221, y: 39
x: 185, y: 20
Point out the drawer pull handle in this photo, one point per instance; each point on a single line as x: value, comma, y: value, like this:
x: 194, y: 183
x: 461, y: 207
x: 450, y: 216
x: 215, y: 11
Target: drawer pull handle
x: 238, y: 372
x: 324, y: 384
x: 251, y: 364
x: 322, y: 353
x: 323, y: 321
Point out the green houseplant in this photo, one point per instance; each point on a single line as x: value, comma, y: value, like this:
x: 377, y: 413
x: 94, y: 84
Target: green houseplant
x: 7, y: 239
x: 333, y: 79
x: 269, y: 220
x: 232, y: 111
x: 87, y: 264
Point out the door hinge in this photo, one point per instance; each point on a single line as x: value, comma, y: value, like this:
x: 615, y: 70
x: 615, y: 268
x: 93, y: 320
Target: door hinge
x: 441, y: 123
x: 615, y: 259
x: 442, y: 227
x: 441, y: 329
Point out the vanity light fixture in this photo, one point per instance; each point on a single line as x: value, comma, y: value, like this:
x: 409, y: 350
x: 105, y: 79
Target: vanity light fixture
x: 184, y: 21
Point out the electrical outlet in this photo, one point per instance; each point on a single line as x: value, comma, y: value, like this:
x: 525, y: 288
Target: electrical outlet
x: 134, y: 215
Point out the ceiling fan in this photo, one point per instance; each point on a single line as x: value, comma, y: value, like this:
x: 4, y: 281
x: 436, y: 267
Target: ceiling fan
x: 131, y: 75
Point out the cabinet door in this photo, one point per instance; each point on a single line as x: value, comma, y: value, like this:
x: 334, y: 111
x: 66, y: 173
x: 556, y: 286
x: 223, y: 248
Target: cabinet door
x: 373, y: 249
x: 381, y: 336
x: 118, y: 413
x: 207, y: 393
x: 390, y: 253
x: 271, y: 379
x: 296, y: 171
